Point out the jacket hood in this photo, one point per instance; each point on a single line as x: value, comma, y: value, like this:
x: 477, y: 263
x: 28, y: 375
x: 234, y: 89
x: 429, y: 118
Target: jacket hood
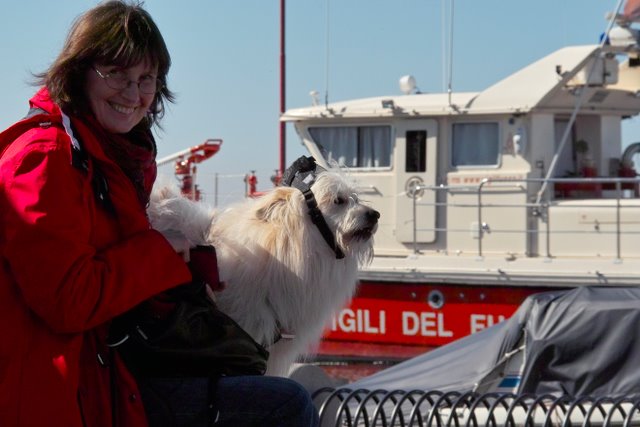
x: 43, y: 100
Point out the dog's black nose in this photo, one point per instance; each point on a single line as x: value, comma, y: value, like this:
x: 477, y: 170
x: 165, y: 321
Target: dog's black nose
x: 373, y: 215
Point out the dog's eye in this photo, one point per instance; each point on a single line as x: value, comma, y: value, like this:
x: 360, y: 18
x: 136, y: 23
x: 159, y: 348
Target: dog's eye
x: 339, y: 201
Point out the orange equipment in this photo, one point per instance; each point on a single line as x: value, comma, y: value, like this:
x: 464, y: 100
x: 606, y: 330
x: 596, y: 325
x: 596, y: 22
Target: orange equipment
x: 251, y: 183
x: 185, y: 167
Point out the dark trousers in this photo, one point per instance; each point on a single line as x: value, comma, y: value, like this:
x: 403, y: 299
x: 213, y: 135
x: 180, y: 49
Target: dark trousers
x: 242, y: 401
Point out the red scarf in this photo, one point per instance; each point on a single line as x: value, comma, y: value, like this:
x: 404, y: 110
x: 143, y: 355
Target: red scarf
x: 135, y: 153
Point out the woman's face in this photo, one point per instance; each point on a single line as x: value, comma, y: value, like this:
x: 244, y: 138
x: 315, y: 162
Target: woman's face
x: 119, y: 97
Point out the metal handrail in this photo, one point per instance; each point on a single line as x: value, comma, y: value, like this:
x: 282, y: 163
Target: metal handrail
x: 537, y: 208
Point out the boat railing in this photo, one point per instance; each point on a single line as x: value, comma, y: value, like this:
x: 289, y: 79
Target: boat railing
x: 590, y: 192
x: 391, y: 408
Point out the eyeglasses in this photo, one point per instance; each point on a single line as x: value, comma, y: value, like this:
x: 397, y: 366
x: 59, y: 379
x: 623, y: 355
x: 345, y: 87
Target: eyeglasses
x: 118, y: 80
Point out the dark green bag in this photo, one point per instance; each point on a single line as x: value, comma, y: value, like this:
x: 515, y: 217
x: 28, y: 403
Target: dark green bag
x: 194, y: 339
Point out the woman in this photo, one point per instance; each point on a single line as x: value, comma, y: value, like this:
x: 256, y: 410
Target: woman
x: 76, y: 248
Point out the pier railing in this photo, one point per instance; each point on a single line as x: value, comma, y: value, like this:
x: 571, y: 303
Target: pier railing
x: 589, y: 190
x: 344, y: 407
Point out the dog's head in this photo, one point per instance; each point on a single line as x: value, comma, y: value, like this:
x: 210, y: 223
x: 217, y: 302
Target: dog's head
x: 351, y: 223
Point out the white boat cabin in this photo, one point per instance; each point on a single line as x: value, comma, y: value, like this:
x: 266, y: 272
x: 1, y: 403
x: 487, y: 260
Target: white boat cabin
x: 522, y: 183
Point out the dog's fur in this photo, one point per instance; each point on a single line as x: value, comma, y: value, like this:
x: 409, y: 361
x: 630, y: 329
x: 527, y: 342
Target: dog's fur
x: 281, y: 276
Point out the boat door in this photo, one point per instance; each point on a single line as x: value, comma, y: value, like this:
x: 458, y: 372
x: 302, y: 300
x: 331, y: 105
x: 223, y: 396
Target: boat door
x: 415, y: 162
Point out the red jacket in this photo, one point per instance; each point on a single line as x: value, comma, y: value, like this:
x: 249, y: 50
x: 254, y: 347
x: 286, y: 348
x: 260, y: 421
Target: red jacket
x: 66, y: 268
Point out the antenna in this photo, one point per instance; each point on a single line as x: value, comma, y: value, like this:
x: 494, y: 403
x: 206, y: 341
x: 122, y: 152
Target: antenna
x: 450, y: 54
x: 443, y: 24
x: 326, y: 92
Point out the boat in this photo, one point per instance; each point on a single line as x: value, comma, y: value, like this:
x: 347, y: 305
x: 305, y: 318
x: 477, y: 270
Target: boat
x: 556, y: 361
x: 486, y: 197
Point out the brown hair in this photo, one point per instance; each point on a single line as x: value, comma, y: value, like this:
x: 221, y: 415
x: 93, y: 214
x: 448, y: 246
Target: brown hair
x: 113, y: 33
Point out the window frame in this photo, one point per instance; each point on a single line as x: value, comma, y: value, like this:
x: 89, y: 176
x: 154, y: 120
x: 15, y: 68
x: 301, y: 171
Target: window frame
x: 358, y: 126
x: 422, y: 149
x: 495, y: 165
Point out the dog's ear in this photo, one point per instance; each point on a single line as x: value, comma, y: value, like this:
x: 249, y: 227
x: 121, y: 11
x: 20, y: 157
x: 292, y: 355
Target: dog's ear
x: 275, y: 205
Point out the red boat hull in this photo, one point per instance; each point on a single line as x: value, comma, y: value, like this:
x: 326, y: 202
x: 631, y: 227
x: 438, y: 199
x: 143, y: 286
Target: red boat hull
x: 395, y: 321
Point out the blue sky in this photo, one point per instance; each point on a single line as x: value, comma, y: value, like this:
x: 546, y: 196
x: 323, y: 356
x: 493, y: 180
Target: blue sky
x: 226, y: 61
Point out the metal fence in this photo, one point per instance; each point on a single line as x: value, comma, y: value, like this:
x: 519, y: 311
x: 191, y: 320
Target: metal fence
x: 368, y: 408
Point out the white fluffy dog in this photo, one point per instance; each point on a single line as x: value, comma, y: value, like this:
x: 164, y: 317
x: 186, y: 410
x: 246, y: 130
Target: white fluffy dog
x: 283, y: 280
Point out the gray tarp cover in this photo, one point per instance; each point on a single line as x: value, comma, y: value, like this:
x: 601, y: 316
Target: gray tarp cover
x: 584, y: 341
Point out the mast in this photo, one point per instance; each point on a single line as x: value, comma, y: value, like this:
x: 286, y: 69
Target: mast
x: 283, y: 134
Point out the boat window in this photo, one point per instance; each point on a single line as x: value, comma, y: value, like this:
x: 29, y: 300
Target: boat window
x: 475, y: 144
x: 354, y: 146
x: 416, y: 156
